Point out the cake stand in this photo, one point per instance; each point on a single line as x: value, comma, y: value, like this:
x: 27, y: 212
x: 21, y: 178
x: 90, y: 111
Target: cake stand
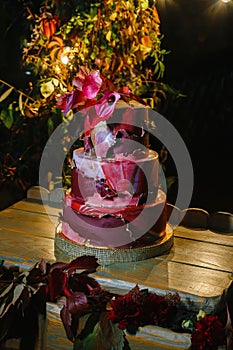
x: 67, y: 250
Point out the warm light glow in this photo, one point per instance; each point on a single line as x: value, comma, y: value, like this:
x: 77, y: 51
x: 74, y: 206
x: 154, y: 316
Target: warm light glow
x: 164, y: 4
x: 219, y: 8
x: 64, y: 59
x: 65, y: 55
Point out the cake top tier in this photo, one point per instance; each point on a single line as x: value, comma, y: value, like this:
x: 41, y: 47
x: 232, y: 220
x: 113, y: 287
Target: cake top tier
x: 108, y: 115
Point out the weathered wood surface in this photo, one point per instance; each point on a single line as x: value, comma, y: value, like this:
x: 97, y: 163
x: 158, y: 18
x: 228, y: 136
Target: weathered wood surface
x: 199, y: 265
x: 27, y: 233
x: 200, y: 262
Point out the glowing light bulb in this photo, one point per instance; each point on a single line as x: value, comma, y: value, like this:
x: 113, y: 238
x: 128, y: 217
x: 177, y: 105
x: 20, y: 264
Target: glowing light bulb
x: 65, y: 55
x: 226, y: 1
x: 64, y: 59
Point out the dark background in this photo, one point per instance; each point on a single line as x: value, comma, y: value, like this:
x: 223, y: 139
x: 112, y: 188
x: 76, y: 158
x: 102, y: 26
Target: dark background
x: 199, y: 36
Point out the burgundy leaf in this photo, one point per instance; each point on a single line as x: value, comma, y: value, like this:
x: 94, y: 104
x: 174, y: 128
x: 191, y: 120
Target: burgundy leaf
x: 83, y: 262
x: 82, y: 283
x: 67, y: 321
x: 77, y: 303
x: 57, y: 284
x: 43, y: 266
x: 58, y: 265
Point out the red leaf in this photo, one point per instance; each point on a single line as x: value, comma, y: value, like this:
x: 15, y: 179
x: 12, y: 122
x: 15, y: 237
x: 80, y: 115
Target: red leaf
x: 83, y: 262
x: 77, y: 304
x: 58, y: 265
x: 43, y: 266
x: 57, y: 284
x: 67, y: 320
x: 80, y: 282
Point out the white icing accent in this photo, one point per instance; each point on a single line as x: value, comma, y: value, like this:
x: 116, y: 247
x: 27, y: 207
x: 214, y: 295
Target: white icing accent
x: 117, y: 202
x: 89, y: 167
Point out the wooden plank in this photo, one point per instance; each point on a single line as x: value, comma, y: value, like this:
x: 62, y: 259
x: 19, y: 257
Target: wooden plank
x: 169, y: 275
x: 204, y: 236
x: 26, y: 237
x: 191, y: 266
x: 25, y: 250
x: 35, y: 207
x: 27, y: 223
x: 203, y: 254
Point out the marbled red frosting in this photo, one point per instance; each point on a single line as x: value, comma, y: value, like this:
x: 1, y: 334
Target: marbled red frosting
x: 114, y: 227
x: 114, y: 199
x: 134, y: 175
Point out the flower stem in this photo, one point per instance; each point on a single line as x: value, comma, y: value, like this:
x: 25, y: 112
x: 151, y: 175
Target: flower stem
x: 18, y: 91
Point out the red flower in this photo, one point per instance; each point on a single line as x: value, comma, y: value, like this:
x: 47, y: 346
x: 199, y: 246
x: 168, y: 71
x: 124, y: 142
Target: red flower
x: 209, y: 334
x: 139, y: 308
x: 89, y: 84
x: 106, y: 104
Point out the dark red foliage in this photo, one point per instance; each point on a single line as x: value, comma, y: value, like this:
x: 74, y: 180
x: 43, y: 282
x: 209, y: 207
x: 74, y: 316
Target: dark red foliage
x: 83, y: 262
x: 82, y: 283
x: 139, y: 308
x: 58, y: 284
x: 209, y: 334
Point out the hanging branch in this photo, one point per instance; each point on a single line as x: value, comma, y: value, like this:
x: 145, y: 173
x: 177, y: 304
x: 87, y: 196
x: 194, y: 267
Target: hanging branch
x: 18, y: 91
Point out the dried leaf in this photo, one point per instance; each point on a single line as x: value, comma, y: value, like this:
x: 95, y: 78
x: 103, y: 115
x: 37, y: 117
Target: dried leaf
x: 21, y: 104
x: 146, y: 41
x: 6, y: 94
x: 54, y: 53
x: 100, y: 333
x: 108, y: 35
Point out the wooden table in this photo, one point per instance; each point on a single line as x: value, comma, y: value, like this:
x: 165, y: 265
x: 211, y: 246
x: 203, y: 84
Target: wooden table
x: 199, y: 265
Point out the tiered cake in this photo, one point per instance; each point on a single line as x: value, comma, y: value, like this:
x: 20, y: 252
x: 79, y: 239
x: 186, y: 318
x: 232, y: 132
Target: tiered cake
x: 114, y: 208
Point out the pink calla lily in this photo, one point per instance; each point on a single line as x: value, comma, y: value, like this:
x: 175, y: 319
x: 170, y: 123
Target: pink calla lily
x: 88, y: 84
x: 106, y: 105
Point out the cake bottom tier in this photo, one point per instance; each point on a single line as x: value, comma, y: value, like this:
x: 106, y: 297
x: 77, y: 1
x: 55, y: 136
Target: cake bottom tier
x: 111, y: 227
x: 67, y: 250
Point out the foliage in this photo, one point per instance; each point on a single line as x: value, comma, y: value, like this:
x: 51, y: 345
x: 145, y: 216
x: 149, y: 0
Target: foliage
x: 92, y: 315
x: 121, y: 39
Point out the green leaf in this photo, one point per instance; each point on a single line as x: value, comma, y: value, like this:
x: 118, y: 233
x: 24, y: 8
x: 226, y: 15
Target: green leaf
x: 50, y: 126
x: 6, y: 94
x: 47, y: 89
x: 105, y: 335
x: 7, y: 117
x: 170, y: 181
x: 93, y: 55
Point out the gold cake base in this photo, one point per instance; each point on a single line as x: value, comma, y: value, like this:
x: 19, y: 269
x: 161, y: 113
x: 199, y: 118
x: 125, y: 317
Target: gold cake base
x: 67, y: 250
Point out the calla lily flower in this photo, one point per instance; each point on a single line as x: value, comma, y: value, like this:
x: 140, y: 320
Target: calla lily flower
x: 87, y: 87
x: 106, y: 105
x: 70, y: 100
x: 88, y: 84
